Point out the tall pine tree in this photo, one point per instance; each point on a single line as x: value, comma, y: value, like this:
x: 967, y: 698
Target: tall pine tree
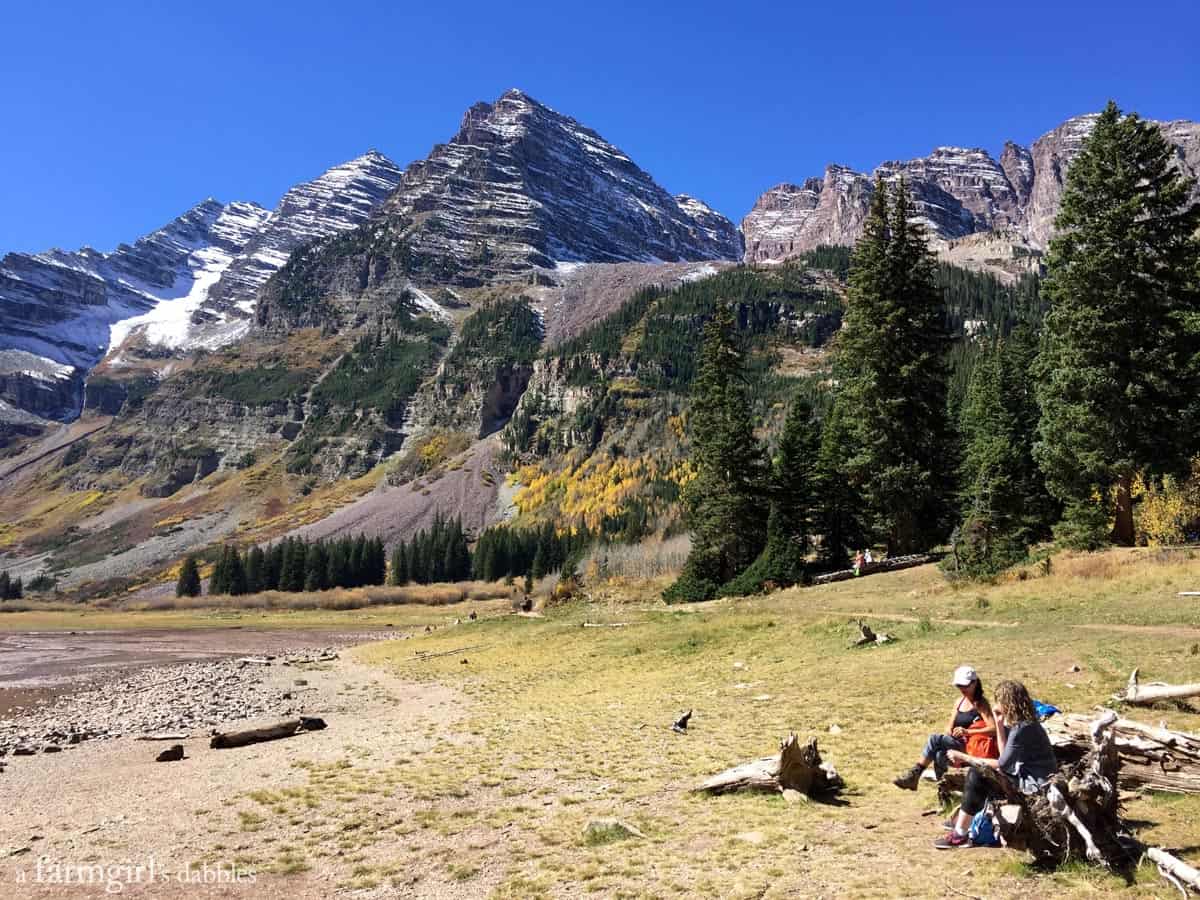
x: 725, y: 503
x: 892, y: 436
x: 1005, y: 505
x: 1117, y: 366
x: 189, y: 579
x: 793, y: 514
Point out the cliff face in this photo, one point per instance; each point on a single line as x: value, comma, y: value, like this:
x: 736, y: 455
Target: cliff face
x: 959, y: 195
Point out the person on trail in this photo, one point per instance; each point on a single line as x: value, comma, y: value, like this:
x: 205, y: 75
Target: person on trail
x: 1026, y: 760
x: 858, y: 562
x: 971, y: 728
x: 867, y: 557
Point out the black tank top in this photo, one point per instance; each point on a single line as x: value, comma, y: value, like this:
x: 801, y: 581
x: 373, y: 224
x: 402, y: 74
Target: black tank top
x: 965, y: 718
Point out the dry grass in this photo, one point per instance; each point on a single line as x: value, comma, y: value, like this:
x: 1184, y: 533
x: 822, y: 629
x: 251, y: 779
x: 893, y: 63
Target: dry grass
x: 340, y: 598
x: 654, y: 558
x: 568, y: 724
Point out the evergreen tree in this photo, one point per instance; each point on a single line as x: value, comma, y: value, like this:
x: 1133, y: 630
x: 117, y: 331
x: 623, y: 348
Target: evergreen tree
x: 274, y: 567
x: 189, y: 579
x: 399, y: 568
x: 16, y: 589
x: 316, y: 568
x: 724, y: 502
x: 237, y: 572
x: 892, y: 436
x: 1116, y: 371
x: 218, y: 582
x: 6, y: 586
x: 357, y: 564
x: 793, y: 510
x: 1005, y: 503
x: 295, y: 562
x: 256, y: 570
x: 339, y: 565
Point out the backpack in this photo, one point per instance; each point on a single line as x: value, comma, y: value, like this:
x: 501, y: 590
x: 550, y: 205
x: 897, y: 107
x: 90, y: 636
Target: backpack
x: 983, y: 829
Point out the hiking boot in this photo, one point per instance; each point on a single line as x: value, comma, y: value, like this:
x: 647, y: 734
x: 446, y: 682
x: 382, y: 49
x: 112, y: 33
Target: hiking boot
x: 952, y: 841
x: 909, y: 780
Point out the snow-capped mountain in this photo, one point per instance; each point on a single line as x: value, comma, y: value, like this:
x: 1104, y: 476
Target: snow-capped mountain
x: 343, y: 197
x: 522, y: 185
x: 962, y: 195
x: 190, y: 284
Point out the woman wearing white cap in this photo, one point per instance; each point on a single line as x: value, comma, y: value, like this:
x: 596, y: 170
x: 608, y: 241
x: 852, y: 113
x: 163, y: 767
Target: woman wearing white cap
x: 971, y: 728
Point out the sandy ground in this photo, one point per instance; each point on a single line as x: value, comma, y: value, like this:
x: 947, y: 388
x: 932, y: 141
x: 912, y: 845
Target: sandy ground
x: 110, y: 804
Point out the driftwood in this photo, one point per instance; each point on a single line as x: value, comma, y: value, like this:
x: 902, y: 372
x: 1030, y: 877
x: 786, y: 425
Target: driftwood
x: 1137, y: 694
x: 605, y: 624
x: 796, y: 767
x: 1179, y: 873
x: 161, y: 737
x: 893, y: 564
x: 254, y: 661
x: 270, y: 733
x: 1151, y: 758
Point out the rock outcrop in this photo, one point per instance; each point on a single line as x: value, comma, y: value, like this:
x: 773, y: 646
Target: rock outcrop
x: 958, y: 194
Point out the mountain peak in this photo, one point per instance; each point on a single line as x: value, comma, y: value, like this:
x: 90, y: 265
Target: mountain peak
x: 522, y: 185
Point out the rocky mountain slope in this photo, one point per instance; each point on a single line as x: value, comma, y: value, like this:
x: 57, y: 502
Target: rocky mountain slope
x: 522, y: 185
x: 188, y: 285
x: 969, y: 202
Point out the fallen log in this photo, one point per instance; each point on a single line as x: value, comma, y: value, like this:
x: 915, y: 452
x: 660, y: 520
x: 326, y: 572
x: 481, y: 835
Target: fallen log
x: 1179, y: 873
x: 161, y: 737
x: 253, y: 660
x: 1151, y: 758
x: 230, y: 739
x: 1137, y: 694
x: 796, y: 767
x: 605, y: 624
x: 893, y: 564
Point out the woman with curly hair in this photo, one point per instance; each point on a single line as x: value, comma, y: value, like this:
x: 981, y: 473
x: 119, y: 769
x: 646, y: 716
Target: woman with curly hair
x: 1026, y: 758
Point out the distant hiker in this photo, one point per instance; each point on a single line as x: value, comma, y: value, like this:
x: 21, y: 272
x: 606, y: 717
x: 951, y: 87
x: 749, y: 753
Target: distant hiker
x: 859, y: 559
x: 971, y: 728
x: 1026, y: 759
x: 867, y: 557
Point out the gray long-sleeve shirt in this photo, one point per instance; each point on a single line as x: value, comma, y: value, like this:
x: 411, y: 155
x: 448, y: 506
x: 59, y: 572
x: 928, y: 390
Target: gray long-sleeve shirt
x: 1028, y: 756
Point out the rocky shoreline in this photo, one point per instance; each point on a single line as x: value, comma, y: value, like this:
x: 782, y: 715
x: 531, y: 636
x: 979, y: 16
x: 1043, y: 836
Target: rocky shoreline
x: 182, y: 699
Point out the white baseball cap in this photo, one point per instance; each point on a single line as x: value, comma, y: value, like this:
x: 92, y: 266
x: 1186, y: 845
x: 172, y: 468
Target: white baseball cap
x: 964, y: 676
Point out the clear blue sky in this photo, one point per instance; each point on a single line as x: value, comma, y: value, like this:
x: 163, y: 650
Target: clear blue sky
x: 118, y: 116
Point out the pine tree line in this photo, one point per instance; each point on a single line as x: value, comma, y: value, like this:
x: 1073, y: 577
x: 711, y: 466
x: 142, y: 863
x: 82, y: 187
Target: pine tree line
x: 291, y: 565
x: 10, y: 588
x: 1049, y: 432
x: 504, y: 552
x: 439, y: 553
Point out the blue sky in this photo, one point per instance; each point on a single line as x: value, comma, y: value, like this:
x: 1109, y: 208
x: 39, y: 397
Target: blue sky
x: 118, y: 117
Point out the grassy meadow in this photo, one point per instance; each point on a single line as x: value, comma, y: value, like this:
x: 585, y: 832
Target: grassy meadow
x: 560, y: 724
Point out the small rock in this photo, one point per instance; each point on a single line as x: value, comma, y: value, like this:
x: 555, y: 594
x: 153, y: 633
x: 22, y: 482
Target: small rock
x: 24, y: 751
x: 52, y: 748
x: 171, y: 754
x: 739, y: 665
x: 751, y: 837
x: 1074, y: 669
x: 761, y: 698
x: 835, y: 728
x: 300, y: 682
x: 793, y: 796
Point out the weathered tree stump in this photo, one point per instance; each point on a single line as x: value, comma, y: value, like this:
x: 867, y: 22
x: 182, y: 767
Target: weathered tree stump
x: 1151, y: 758
x: 797, y: 767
